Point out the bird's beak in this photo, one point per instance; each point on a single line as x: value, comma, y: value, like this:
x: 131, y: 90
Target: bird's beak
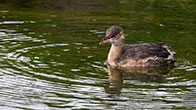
x: 104, y: 41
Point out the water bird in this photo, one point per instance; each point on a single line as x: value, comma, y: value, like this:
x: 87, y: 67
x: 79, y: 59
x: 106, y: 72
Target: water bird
x: 135, y: 55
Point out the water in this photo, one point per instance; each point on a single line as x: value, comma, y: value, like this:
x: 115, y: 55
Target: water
x: 52, y: 60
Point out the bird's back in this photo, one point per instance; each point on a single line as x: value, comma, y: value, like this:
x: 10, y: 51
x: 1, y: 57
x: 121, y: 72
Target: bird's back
x: 157, y: 54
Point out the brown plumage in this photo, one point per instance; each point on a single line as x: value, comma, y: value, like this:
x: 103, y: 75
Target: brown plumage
x: 144, y: 55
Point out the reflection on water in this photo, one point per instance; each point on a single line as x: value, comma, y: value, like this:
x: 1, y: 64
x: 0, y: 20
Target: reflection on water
x: 150, y: 74
x: 148, y: 86
x: 52, y: 60
x: 115, y: 80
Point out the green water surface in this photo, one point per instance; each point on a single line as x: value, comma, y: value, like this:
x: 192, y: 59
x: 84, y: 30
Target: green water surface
x: 50, y: 58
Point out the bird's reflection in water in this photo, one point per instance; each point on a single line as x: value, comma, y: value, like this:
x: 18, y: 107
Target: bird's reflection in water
x: 116, y: 81
x: 150, y: 74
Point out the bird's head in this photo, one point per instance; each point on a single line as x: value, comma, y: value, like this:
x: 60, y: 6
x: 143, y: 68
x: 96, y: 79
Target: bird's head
x: 114, y: 35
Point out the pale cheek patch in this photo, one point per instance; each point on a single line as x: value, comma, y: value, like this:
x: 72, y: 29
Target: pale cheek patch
x: 114, y: 42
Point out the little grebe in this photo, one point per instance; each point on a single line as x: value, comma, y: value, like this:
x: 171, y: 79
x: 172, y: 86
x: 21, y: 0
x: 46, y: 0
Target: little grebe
x: 140, y: 55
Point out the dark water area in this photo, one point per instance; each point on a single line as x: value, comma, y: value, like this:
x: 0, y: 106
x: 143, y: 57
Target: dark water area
x: 50, y: 57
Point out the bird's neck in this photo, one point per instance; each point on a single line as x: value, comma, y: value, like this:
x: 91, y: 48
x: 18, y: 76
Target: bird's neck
x: 115, y: 52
